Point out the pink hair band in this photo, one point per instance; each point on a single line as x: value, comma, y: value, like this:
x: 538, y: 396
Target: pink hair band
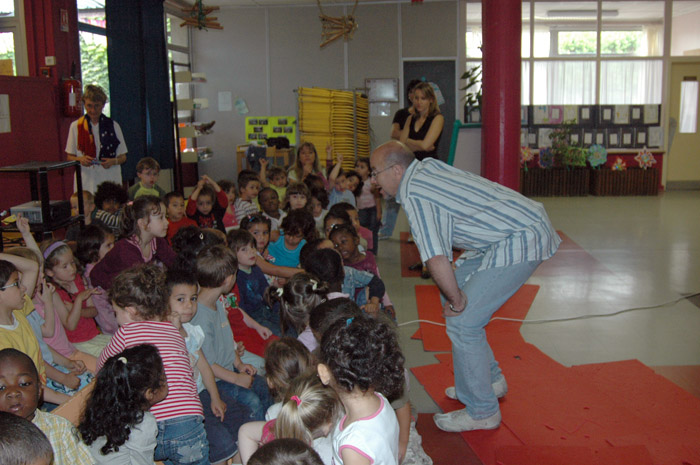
x: 297, y: 400
x: 53, y: 247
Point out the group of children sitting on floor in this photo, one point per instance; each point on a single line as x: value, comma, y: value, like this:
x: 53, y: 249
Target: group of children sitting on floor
x: 171, y: 321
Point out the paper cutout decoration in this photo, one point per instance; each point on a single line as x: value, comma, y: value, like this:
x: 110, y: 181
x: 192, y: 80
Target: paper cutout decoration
x: 645, y: 159
x: 546, y: 159
x: 597, y: 155
x: 619, y: 165
x: 333, y: 28
x: 198, y: 16
x: 525, y: 157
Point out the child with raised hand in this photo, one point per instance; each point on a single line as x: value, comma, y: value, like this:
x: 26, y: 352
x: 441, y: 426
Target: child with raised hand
x: 252, y: 282
x: 207, y: 204
x: 110, y: 198
x: 116, y: 423
x: 361, y: 360
x: 73, y: 290
x: 248, y: 188
x: 339, y: 181
x: 297, y: 198
x: 175, y: 212
x: 346, y: 242
x: 301, y: 293
x: 22, y: 442
x: 285, y: 359
x: 223, y: 416
x: 298, y: 227
x: 369, y: 202
x: 345, y: 281
x: 147, y: 170
x: 216, y: 273
x: 309, y: 412
x: 140, y: 299
x: 20, y: 393
x: 230, y: 220
x: 275, y: 178
x: 143, y: 241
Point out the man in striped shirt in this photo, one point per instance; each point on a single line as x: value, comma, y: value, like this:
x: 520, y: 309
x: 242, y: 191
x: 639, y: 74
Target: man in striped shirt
x: 504, y: 235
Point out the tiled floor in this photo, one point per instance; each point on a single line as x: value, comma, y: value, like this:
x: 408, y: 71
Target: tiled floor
x: 637, y: 252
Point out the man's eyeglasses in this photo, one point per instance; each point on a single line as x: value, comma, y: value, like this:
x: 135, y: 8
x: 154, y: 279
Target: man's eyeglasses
x: 376, y: 173
x: 16, y: 283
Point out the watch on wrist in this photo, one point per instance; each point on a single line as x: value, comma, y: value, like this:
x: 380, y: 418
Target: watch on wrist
x: 452, y: 307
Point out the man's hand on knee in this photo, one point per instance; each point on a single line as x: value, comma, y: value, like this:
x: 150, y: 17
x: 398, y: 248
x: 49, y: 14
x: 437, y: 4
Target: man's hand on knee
x: 450, y: 309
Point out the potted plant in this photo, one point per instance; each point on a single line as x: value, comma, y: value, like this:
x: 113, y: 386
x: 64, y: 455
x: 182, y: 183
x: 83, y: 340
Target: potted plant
x: 472, y: 99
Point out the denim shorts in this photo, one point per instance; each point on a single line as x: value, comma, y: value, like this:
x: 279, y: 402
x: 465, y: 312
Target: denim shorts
x: 182, y: 441
x: 257, y: 398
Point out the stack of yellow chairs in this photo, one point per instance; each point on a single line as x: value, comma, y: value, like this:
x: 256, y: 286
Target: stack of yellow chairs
x: 327, y: 116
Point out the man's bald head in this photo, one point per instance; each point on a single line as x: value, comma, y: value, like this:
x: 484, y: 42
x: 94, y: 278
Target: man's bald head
x: 389, y: 162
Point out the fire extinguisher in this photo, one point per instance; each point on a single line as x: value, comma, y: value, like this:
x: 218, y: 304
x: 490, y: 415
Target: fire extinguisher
x: 72, y: 91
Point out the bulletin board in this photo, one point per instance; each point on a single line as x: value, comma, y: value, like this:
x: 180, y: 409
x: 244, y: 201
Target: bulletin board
x: 259, y: 128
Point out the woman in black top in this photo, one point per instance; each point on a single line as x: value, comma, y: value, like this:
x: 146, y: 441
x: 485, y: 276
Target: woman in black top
x: 402, y: 115
x: 423, y: 129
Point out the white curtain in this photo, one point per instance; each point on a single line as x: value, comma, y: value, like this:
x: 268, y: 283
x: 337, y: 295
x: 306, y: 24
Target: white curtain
x: 630, y: 82
x: 564, y: 83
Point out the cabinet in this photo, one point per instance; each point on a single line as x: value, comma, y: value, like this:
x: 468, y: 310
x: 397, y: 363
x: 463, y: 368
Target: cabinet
x: 39, y: 189
x: 189, y: 150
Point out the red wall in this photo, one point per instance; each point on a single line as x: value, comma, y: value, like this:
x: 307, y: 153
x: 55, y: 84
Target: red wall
x: 39, y: 129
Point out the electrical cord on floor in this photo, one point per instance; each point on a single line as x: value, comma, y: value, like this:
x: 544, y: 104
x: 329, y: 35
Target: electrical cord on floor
x: 572, y: 318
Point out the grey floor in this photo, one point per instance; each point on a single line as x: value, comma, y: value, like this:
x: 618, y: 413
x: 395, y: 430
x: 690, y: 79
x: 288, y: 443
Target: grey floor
x: 645, y: 252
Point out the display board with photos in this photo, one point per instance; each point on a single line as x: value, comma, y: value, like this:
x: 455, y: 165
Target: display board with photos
x: 613, y: 126
x: 260, y: 128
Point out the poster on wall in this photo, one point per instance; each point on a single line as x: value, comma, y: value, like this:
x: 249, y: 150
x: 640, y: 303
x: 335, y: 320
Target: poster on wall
x: 260, y: 128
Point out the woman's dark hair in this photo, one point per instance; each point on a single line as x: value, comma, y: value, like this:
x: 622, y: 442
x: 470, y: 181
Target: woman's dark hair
x: 300, y: 222
x: 343, y: 227
x: 118, y: 400
x: 108, y: 190
x: 322, y: 196
x: 255, y: 218
x: 358, y: 189
x: 411, y: 85
x: 364, y: 352
x: 143, y: 207
x: 89, y: 241
x: 286, y: 451
x: 297, y: 297
x: 325, y: 314
x: 327, y: 265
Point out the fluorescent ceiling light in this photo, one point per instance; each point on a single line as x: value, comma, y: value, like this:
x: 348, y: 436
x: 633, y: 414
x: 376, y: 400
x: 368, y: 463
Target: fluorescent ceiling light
x: 580, y: 13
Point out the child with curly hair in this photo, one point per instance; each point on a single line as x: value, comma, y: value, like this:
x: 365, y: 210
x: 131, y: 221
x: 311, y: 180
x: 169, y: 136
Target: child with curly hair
x: 116, y: 423
x: 361, y: 360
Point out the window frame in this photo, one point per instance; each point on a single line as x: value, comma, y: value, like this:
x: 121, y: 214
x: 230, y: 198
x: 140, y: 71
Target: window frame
x: 17, y: 27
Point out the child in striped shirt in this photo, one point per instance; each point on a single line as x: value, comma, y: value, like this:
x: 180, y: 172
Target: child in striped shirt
x: 140, y: 300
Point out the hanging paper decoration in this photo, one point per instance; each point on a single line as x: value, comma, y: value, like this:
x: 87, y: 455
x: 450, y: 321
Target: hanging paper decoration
x: 333, y: 28
x: 645, y: 159
x: 597, y: 155
x: 198, y: 16
x: 525, y: 157
x: 546, y: 159
x: 619, y: 165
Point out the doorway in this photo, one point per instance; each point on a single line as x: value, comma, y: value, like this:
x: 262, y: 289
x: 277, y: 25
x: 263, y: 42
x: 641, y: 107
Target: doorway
x: 442, y: 73
x: 683, y: 155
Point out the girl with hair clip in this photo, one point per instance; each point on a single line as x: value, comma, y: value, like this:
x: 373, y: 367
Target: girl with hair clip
x: 297, y: 298
x: 116, y: 423
x: 144, y: 228
x: 306, y: 163
x: 361, y: 360
x: 308, y: 413
x: 77, y: 310
x: 298, y: 197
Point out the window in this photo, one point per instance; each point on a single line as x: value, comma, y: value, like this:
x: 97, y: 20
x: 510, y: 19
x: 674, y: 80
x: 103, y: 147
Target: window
x: 571, y: 57
x: 13, y: 51
x: 92, y: 23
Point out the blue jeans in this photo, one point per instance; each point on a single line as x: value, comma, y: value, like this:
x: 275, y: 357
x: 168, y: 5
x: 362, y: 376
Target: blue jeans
x: 475, y: 367
x: 223, y: 435
x: 389, y: 216
x: 182, y: 440
x: 257, y: 398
